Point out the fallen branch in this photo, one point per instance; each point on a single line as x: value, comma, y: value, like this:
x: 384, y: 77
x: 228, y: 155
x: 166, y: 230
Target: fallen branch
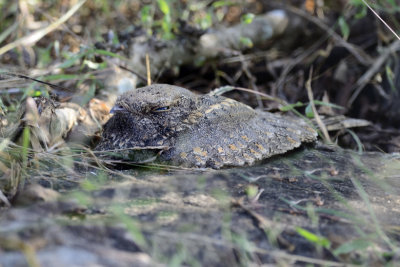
x: 214, y: 43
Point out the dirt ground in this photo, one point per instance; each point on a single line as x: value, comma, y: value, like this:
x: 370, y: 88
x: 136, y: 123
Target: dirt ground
x: 211, y: 218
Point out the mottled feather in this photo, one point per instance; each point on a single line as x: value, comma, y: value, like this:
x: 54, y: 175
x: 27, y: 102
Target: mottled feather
x: 199, y: 130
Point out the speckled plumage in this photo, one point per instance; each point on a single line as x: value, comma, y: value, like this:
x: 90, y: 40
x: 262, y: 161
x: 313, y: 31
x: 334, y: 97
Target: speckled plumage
x: 199, y: 130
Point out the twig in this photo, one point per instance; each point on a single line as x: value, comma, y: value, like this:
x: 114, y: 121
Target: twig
x: 213, y: 44
x: 379, y: 17
x: 363, y: 80
x: 359, y: 54
x: 224, y: 89
x: 261, y: 221
x: 295, y: 61
x: 317, y: 117
x: 148, y: 69
x: 21, y: 76
x: 143, y: 78
x: 39, y: 34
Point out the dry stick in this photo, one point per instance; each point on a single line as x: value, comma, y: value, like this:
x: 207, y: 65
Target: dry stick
x: 209, y: 45
x: 378, y: 63
x: 25, y: 77
x: 363, y: 80
x: 228, y: 88
x: 148, y: 69
x: 140, y: 76
x: 359, y: 54
x: 295, y: 61
x: 379, y: 17
x: 262, y: 222
x: 317, y: 117
x: 39, y: 34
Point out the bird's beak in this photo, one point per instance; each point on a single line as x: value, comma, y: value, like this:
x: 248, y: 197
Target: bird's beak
x: 117, y: 108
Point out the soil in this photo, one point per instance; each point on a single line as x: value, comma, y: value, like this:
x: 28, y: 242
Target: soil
x: 210, y: 218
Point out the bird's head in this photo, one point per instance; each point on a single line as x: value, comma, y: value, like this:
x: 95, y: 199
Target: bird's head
x: 150, y: 115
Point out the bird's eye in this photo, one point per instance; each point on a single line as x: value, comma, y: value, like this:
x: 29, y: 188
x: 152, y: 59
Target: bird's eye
x: 160, y: 109
x: 117, y: 108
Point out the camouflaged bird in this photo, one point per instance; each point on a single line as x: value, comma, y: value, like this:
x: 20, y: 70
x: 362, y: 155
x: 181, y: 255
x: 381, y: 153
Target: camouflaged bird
x: 199, y: 130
